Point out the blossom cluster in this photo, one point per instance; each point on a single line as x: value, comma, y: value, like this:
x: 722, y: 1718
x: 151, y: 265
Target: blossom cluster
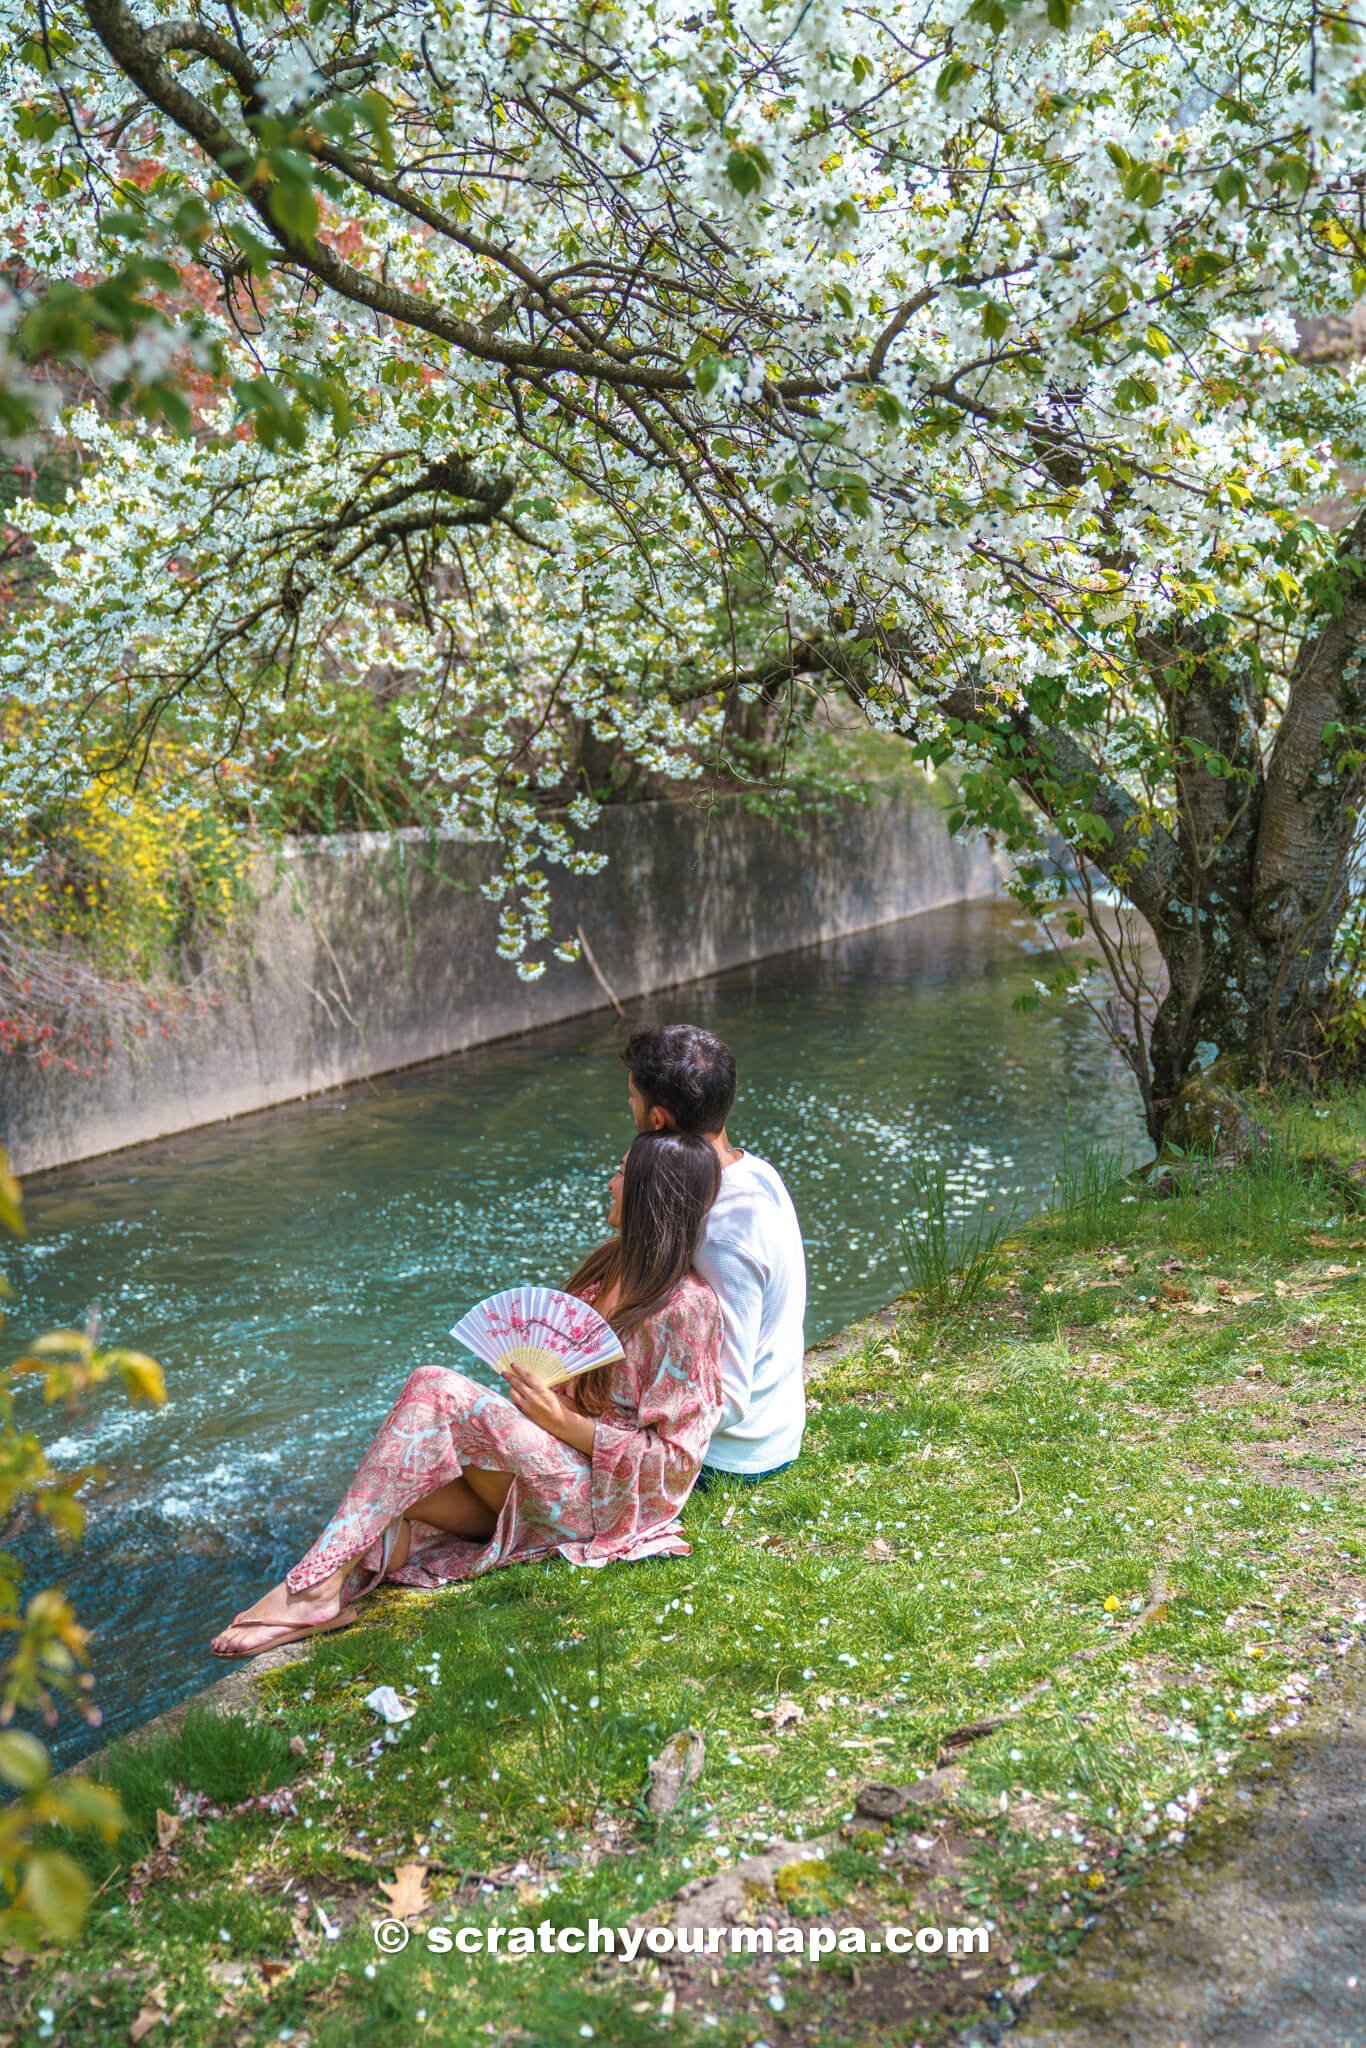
x: 966, y: 330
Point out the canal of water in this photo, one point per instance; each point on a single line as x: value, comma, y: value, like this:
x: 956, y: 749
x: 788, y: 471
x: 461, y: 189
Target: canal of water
x: 288, y: 1269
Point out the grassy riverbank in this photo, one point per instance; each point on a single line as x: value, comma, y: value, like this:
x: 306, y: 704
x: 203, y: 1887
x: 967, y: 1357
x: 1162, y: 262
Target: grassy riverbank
x: 1116, y: 1509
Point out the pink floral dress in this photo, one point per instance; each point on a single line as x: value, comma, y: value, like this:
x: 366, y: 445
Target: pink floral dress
x: 620, y: 1503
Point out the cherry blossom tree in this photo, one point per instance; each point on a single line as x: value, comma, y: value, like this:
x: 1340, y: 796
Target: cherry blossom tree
x: 609, y: 367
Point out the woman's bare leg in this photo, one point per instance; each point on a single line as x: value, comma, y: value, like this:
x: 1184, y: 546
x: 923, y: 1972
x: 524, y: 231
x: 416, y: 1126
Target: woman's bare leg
x: 467, y: 1506
x: 434, y: 1402
x: 458, y: 1507
x: 278, y: 1609
x: 492, y: 1488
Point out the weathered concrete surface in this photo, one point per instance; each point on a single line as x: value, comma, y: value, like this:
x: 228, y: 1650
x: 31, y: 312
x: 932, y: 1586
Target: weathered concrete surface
x: 366, y: 952
x: 1255, y: 1937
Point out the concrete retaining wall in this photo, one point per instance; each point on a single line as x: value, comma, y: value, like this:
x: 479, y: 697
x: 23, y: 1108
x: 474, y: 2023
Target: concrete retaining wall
x: 365, y: 953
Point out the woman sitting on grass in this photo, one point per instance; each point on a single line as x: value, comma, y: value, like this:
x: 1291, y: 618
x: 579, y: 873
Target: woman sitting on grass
x: 461, y: 1478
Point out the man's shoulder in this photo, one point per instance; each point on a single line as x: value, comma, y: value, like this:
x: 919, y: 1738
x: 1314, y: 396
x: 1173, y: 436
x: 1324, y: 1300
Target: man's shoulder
x: 752, y: 1175
x: 752, y: 1202
x: 764, y: 1169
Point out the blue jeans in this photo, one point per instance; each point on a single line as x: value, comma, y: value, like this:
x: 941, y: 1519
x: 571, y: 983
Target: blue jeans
x: 712, y: 1475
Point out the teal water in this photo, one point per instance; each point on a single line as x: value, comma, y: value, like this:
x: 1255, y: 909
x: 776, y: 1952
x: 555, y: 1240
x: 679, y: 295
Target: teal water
x: 288, y: 1269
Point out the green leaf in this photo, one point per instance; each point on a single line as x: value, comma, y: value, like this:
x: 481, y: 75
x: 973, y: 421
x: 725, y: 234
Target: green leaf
x: 1291, y: 169
x: 259, y: 254
x: 191, y: 221
x: 141, y: 1375
x: 81, y: 1803
x: 747, y: 167
x: 24, y: 1763
x: 375, y: 113
x: 128, y: 227
x: 953, y: 71
x: 162, y: 400
x: 59, y: 1343
x: 290, y: 198
x: 57, y: 1893
x: 1131, y: 392
x: 11, y: 1199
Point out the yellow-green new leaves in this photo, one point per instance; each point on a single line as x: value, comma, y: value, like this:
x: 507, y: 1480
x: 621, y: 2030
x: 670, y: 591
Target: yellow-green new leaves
x: 72, y: 1363
x: 48, y: 1890
x: 48, y: 1650
x: 11, y: 1201
x: 43, y: 1891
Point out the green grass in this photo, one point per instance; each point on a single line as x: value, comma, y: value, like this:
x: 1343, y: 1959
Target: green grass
x: 950, y: 1260
x: 1088, y: 1183
x: 1106, y: 1502
x: 224, y: 1758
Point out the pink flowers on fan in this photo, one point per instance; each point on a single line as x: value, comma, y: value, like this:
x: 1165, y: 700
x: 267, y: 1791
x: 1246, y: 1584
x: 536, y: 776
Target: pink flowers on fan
x: 553, y: 1333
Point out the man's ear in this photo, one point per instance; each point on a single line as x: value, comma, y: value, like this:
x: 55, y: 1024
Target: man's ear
x: 659, y: 1118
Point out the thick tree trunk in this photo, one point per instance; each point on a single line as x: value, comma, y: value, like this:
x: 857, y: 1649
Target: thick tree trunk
x: 1259, y: 1005
x: 1248, y: 938
x: 1251, y: 990
x: 1221, y: 1005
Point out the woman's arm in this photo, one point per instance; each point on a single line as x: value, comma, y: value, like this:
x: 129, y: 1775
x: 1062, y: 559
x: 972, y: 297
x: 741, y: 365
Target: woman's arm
x: 652, y: 1458
x: 543, y: 1405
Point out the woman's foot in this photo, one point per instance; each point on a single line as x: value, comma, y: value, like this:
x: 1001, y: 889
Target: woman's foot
x: 254, y: 1638
x: 284, y: 1617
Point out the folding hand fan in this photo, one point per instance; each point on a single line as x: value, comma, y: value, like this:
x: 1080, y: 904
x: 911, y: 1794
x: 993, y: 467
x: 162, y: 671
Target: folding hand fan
x: 552, y: 1334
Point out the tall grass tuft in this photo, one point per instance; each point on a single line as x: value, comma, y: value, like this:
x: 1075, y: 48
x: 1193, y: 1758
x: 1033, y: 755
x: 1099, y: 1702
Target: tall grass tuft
x: 1268, y: 1198
x: 1086, y: 1188
x: 579, y: 1743
x: 949, y: 1261
x: 228, y: 1756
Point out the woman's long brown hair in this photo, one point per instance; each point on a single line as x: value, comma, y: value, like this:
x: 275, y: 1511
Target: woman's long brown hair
x: 670, y: 1181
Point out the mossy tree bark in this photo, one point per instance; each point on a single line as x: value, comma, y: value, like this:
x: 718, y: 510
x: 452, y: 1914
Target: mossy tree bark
x: 1264, y: 841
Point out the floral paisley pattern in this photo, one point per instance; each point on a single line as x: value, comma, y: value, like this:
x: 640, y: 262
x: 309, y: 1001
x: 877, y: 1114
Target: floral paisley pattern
x: 621, y: 1503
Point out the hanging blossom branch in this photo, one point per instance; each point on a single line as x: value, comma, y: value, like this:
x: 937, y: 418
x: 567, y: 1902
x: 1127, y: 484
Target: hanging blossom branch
x: 927, y: 350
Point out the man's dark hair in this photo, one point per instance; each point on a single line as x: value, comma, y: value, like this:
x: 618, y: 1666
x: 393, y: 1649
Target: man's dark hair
x: 687, y: 1072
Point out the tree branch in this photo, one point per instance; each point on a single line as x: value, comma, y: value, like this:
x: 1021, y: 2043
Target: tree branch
x: 1140, y: 857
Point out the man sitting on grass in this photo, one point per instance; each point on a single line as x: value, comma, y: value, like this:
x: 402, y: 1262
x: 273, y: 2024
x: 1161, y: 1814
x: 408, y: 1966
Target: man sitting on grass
x: 683, y: 1079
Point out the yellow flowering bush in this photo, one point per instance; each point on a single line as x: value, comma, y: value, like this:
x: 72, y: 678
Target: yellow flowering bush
x: 106, y: 904
x: 129, y: 873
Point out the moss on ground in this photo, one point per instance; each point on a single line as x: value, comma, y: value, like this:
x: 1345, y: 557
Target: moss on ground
x: 1116, y: 1511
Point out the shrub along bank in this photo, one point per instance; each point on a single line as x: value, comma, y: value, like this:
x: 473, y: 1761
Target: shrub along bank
x: 1065, y: 1560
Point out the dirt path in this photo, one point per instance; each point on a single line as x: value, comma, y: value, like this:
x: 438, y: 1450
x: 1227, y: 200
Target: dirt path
x: 1257, y: 1939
